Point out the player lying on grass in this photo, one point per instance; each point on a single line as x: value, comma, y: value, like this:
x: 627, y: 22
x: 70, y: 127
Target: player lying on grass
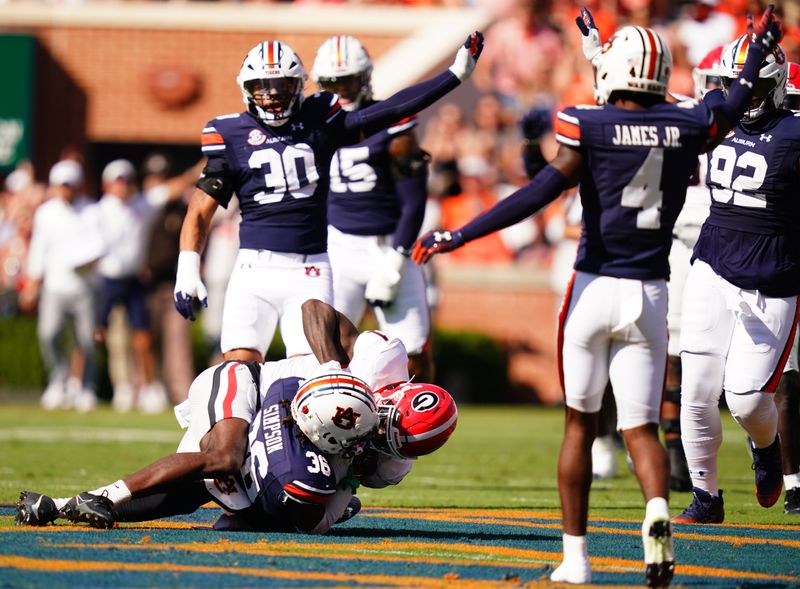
x: 175, y: 492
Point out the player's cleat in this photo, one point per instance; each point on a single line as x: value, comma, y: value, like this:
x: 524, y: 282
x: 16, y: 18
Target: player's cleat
x: 34, y: 509
x: 769, y: 476
x: 604, y: 457
x: 679, y: 479
x: 791, y: 502
x: 705, y: 509
x: 95, y: 510
x: 659, y: 557
x: 350, y: 511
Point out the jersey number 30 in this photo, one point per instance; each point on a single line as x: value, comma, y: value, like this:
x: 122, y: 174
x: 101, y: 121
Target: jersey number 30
x: 292, y: 171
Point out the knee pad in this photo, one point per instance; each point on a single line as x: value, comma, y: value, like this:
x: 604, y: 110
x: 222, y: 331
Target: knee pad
x: 755, y: 411
x: 673, y: 394
x: 671, y: 426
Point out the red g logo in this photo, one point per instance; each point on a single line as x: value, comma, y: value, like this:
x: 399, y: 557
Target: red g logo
x: 345, y: 418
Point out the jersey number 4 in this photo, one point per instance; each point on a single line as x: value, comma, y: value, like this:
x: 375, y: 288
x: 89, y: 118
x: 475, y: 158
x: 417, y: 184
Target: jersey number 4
x: 292, y: 171
x: 644, y: 190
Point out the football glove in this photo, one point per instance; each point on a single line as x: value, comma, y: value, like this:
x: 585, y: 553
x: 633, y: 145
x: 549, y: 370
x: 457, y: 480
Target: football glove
x: 188, y: 285
x: 435, y: 242
x: 591, y: 35
x: 467, y: 56
x: 382, y: 285
x: 768, y: 32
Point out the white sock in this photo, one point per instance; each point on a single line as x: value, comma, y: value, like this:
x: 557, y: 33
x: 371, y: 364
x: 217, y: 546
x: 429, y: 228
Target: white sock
x: 657, y: 508
x: 791, y: 481
x: 117, y: 492
x: 575, y: 567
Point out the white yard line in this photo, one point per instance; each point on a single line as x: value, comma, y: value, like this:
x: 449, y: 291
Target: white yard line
x: 89, y: 435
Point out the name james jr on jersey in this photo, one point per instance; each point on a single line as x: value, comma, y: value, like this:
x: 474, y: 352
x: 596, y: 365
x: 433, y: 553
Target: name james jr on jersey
x: 646, y: 135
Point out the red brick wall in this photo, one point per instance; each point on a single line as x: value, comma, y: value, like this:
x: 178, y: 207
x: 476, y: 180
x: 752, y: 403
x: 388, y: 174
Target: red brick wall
x: 523, y: 317
x: 111, y: 66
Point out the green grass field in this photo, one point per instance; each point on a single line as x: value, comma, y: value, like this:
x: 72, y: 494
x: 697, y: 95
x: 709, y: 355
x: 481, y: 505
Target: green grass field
x: 498, y: 457
x: 480, y: 513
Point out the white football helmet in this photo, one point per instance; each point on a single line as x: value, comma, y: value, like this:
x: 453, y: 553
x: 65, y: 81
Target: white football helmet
x: 771, y: 86
x: 272, y: 80
x: 634, y: 59
x: 336, y: 411
x: 343, y: 66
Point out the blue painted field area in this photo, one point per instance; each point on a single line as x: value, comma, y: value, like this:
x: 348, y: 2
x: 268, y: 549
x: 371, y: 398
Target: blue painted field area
x: 395, y: 547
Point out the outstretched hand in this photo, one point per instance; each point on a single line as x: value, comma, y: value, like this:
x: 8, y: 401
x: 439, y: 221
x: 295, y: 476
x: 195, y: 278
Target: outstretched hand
x: 467, y: 56
x: 435, y: 242
x: 768, y: 32
x: 592, y: 45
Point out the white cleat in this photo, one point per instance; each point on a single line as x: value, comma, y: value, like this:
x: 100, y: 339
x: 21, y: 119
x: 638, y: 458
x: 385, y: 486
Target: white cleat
x: 54, y: 397
x: 604, y: 457
x: 152, y: 399
x: 659, y: 555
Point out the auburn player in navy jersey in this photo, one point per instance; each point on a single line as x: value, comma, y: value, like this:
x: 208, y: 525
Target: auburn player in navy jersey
x: 276, y: 157
x: 633, y: 157
x: 740, y: 301
x: 376, y: 203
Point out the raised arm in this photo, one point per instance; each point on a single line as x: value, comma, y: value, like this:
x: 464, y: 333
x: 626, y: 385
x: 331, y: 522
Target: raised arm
x: 760, y: 40
x: 409, y: 165
x: 563, y: 172
x: 413, y: 99
x: 330, y: 334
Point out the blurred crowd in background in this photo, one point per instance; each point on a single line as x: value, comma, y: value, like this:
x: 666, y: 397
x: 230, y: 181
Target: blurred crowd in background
x: 532, y: 66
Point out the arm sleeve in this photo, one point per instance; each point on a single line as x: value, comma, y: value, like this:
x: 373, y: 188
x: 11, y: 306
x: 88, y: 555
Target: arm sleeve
x: 400, y: 105
x: 542, y: 190
x: 731, y: 110
x: 412, y: 194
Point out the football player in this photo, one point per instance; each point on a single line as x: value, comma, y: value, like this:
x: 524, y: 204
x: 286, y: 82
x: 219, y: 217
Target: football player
x: 787, y: 396
x: 633, y: 156
x: 276, y: 156
x: 687, y: 228
x: 221, y: 404
x: 740, y: 300
x: 376, y: 203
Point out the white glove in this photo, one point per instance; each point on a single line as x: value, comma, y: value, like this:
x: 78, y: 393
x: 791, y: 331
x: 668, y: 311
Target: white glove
x: 591, y: 43
x: 467, y: 56
x: 382, y: 286
x: 188, y: 285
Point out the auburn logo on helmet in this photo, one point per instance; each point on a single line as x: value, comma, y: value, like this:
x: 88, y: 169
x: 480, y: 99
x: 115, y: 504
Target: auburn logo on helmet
x: 345, y: 418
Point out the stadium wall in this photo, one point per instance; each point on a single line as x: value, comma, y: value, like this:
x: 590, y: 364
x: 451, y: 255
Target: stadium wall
x: 154, y: 73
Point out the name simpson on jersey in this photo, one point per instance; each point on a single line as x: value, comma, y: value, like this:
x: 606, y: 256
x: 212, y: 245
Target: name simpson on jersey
x: 646, y: 136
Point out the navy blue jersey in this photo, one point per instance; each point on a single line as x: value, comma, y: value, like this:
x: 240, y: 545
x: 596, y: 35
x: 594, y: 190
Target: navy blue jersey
x: 283, y: 465
x: 752, y: 236
x: 362, y: 199
x: 280, y: 174
x: 637, y: 167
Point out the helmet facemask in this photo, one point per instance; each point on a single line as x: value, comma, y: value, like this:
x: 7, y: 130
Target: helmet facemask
x: 343, y: 66
x: 770, y: 89
x: 272, y: 82
x: 353, y: 89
